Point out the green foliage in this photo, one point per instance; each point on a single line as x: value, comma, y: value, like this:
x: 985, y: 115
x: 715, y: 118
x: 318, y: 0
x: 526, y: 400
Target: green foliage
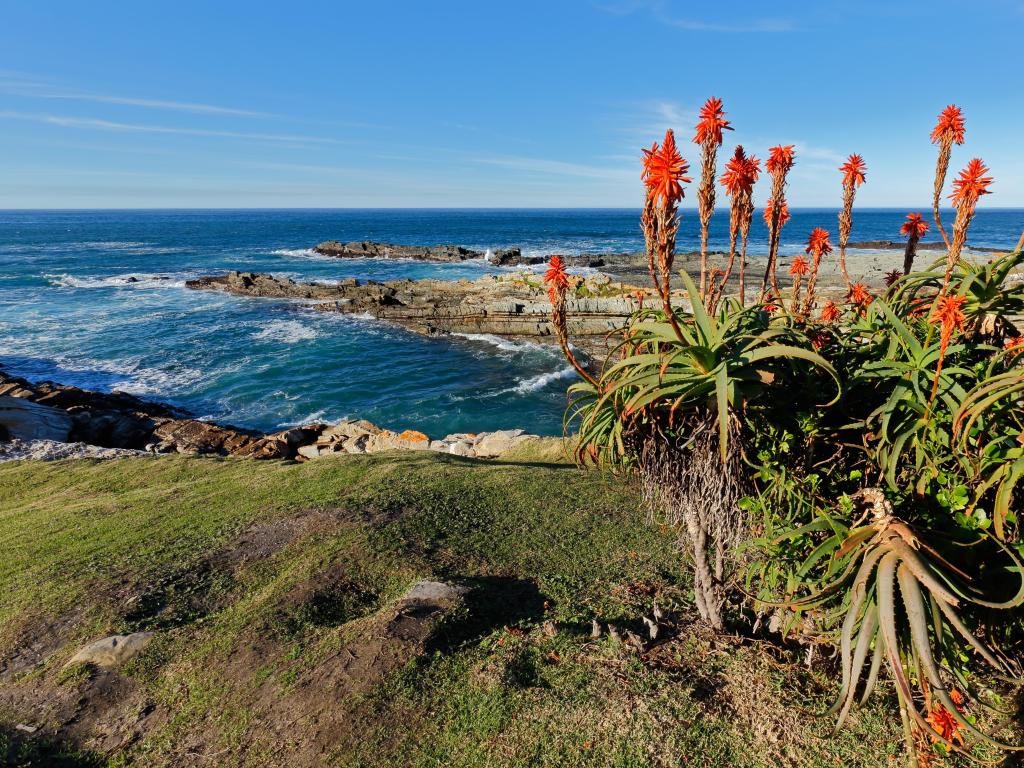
x: 883, y: 517
x: 716, y: 363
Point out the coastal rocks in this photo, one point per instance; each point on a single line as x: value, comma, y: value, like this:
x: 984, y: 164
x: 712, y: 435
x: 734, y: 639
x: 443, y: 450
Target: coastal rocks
x: 513, y: 257
x: 101, y: 425
x: 489, y: 445
x: 53, y: 450
x: 191, y: 436
x: 502, y: 305
x: 370, y: 250
x: 113, y: 651
x: 25, y: 420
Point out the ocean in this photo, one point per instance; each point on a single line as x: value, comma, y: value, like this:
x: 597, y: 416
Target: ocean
x: 98, y: 299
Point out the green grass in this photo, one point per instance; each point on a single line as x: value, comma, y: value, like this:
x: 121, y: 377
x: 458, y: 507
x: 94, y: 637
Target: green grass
x: 93, y: 548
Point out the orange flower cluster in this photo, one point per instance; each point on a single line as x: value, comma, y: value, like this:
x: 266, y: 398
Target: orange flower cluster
x: 712, y: 123
x: 860, y: 297
x: 800, y: 266
x: 818, y: 243
x: 949, y: 313
x: 664, y: 171
x: 783, y: 213
x: 950, y: 126
x: 1014, y: 344
x: 854, y: 171
x: 945, y: 725
x: 556, y: 279
x: 971, y: 184
x: 830, y: 312
x: 741, y: 173
x: 915, y: 226
x: 780, y: 159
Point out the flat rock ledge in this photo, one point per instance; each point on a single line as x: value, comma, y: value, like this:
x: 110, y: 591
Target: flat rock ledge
x: 101, y: 425
x: 511, y: 305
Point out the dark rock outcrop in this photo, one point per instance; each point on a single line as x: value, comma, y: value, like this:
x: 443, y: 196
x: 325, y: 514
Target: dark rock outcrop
x: 366, y: 249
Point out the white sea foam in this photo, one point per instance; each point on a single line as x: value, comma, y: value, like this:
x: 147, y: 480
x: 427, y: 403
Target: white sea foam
x: 538, y: 382
x: 507, y: 345
x: 286, y: 332
x: 307, y: 253
x: 130, y: 280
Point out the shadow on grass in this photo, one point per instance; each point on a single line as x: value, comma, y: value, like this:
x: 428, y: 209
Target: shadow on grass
x: 493, y: 602
x: 31, y: 751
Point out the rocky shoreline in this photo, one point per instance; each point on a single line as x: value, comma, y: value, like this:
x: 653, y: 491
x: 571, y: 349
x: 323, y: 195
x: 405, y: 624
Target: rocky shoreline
x: 502, y: 305
x: 47, y: 420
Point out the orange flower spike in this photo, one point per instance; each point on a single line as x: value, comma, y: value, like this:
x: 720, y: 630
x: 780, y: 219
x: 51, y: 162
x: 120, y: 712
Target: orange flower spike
x: 556, y: 278
x: 830, y: 312
x: 854, y: 171
x: 859, y: 296
x: 949, y: 314
x: 665, y: 170
x: 950, y: 126
x: 647, y: 161
x: 945, y: 725
x: 780, y: 159
x: 818, y: 243
x: 915, y: 226
x: 971, y: 184
x: 734, y: 177
x: 800, y: 266
x: 783, y: 213
x: 712, y: 123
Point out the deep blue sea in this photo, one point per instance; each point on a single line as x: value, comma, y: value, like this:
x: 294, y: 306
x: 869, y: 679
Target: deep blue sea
x: 69, y: 312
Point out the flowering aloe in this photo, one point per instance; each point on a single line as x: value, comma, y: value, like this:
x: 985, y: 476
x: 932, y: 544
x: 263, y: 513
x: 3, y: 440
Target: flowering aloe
x: 860, y: 297
x: 948, y: 130
x: 709, y: 137
x: 950, y: 317
x: 741, y: 173
x: 664, y: 173
x: 797, y: 270
x: 967, y: 189
x: 818, y: 245
x: 780, y: 161
x: 830, y: 312
x: 914, y: 228
x: 557, y: 282
x: 854, y: 174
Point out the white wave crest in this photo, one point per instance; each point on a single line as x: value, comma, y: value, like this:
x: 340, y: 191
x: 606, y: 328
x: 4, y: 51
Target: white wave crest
x: 286, y: 332
x: 131, y: 280
x: 307, y: 253
x: 508, y: 345
x: 538, y: 382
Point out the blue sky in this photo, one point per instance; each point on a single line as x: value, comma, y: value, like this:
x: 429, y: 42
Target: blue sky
x: 367, y: 104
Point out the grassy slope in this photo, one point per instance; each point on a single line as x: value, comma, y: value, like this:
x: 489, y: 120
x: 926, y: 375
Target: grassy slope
x: 92, y: 548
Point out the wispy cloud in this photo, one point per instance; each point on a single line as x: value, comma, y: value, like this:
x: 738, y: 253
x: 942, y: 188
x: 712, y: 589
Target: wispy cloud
x: 22, y: 84
x: 554, y: 167
x: 662, y: 11
x: 90, y: 123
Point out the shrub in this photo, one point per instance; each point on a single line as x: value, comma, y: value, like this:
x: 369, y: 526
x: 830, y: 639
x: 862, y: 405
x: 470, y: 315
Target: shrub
x: 848, y: 472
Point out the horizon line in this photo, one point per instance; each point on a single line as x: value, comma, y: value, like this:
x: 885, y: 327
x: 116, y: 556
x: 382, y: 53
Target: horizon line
x: 71, y: 209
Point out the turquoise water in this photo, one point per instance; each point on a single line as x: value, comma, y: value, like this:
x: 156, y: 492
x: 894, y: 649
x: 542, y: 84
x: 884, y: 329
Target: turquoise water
x: 97, y: 299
